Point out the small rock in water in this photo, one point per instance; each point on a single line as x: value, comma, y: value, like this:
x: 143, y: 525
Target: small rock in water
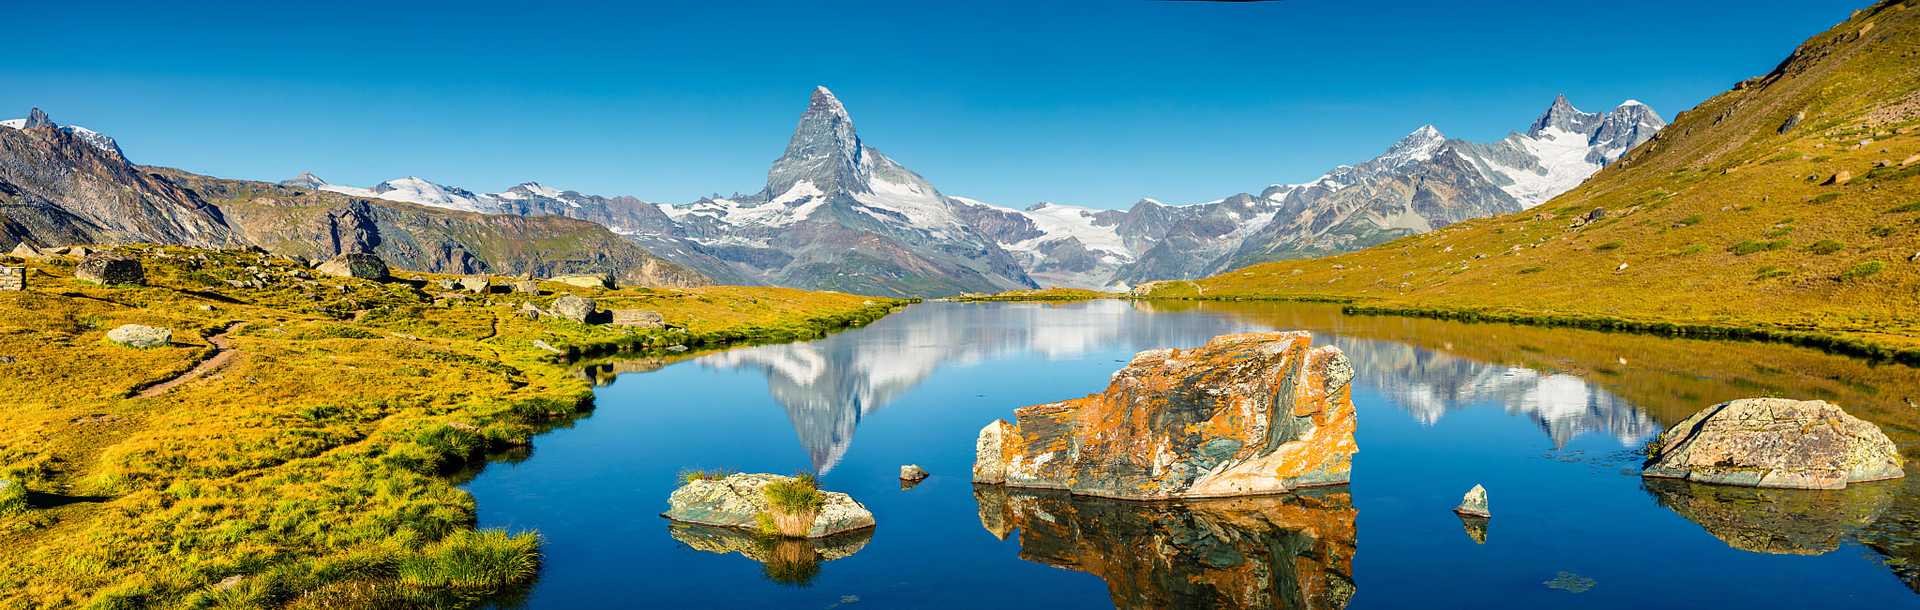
x: 912, y: 472
x: 1474, y: 504
x: 136, y: 335
x: 1570, y: 582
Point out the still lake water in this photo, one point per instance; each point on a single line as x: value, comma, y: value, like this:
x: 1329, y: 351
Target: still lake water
x: 1551, y: 421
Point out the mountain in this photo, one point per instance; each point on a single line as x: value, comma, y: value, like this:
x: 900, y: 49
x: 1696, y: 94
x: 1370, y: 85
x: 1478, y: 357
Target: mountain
x: 64, y: 185
x: 1423, y: 182
x: 1790, y: 203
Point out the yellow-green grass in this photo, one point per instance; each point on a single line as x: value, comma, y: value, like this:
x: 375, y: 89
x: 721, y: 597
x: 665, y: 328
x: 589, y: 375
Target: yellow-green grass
x: 317, y: 468
x: 1042, y: 294
x: 1722, y: 222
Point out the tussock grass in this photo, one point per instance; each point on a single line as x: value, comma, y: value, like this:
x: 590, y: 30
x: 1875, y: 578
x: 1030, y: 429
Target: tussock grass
x: 792, y: 505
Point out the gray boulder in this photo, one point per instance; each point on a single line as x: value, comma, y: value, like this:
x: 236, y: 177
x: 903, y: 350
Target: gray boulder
x: 736, y: 501
x: 478, y: 284
x: 109, y: 270
x: 527, y: 286
x: 355, y: 265
x: 1774, y: 442
x: 639, y: 318
x: 584, y: 280
x: 135, y: 335
x: 576, y: 308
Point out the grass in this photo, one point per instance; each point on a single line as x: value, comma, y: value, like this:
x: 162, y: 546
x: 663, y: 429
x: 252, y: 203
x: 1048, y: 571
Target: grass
x: 1723, y: 167
x: 13, y: 498
x: 695, y: 474
x: 320, y: 466
x: 793, y: 502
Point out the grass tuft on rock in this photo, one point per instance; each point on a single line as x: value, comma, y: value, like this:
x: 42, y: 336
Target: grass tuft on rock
x: 792, y: 505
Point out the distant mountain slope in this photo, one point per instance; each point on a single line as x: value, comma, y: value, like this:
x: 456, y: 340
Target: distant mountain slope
x: 67, y: 185
x: 1792, y: 200
x: 1422, y: 182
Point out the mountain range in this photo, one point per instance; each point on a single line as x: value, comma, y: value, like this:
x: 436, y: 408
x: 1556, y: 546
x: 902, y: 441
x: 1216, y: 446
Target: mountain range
x: 837, y: 214
x: 834, y: 214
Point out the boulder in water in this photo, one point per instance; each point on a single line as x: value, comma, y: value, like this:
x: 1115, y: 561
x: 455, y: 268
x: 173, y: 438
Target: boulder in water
x: 1246, y: 414
x: 741, y: 501
x: 1474, y: 504
x: 912, y: 472
x: 1774, y: 442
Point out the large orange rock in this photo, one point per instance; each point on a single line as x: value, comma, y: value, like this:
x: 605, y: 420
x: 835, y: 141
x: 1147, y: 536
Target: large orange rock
x: 1255, y: 413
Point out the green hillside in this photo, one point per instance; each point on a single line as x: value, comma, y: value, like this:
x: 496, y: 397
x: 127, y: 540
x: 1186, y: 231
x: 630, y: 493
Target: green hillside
x: 1790, y: 203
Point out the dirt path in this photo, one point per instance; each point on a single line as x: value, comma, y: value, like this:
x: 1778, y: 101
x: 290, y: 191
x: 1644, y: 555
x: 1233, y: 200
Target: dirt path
x: 222, y: 354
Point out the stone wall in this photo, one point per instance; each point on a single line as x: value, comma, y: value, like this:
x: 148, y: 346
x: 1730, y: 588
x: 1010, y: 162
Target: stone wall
x: 13, y: 278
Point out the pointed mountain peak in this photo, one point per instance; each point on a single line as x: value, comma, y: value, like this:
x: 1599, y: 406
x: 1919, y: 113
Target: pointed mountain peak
x: 1426, y: 133
x: 1563, y: 116
x: 38, y: 118
x: 824, y: 149
x: 304, y: 180
x: 1416, y: 146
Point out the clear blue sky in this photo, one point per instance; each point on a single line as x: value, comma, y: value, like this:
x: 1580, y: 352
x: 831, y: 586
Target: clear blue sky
x: 1090, y: 103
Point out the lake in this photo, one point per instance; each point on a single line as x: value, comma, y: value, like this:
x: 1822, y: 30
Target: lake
x: 1552, y: 421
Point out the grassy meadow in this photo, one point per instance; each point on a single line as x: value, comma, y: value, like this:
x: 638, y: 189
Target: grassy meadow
x: 317, y: 468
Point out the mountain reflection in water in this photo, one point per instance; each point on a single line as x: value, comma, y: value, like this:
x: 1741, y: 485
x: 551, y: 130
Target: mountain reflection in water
x: 1291, y: 552
x: 829, y: 386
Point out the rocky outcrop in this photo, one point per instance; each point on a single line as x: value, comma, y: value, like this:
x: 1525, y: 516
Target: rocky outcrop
x: 1774, y: 442
x: 355, y: 265
x: 1474, y: 503
x: 793, y: 561
x: 576, y: 308
x: 110, y: 270
x: 737, y: 501
x: 1255, y: 413
x: 912, y: 472
x: 1290, y: 552
x: 1775, y: 521
x: 136, y: 335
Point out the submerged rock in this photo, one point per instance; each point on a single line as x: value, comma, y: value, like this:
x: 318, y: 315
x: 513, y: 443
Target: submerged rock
x: 1474, y: 504
x: 793, y: 561
x: 110, y: 270
x: 737, y: 501
x: 355, y: 265
x: 1255, y: 413
x: 1775, y: 521
x: 1281, y: 552
x: 136, y: 335
x: 1774, y: 442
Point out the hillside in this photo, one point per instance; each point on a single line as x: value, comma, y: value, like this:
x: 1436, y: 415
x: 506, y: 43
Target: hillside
x: 315, y: 462
x: 1790, y: 202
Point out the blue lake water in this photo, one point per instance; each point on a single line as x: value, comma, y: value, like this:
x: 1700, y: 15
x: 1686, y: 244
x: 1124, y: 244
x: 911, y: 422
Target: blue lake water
x: 1558, y: 450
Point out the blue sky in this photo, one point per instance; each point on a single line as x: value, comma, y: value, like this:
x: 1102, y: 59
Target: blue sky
x: 1094, y: 103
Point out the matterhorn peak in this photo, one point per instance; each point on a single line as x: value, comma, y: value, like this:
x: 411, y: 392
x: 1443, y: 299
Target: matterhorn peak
x: 824, y: 149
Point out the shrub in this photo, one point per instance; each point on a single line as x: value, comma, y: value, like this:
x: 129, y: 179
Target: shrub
x: 1862, y: 270
x: 1826, y: 246
x: 1769, y: 272
x: 1612, y: 245
x: 1691, y: 250
x: 1750, y: 246
x: 1911, y: 207
x: 1880, y: 231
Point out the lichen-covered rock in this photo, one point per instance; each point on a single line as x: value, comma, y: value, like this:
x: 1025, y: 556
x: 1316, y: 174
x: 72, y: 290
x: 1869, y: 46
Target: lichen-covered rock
x: 355, y: 265
x: 912, y: 472
x: 1292, y: 552
x: 576, y: 308
x: 110, y: 270
x: 136, y: 335
x: 527, y: 286
x: 584, y: 281
x: 638, y: 318
x: 478, y: 284
x: 736, y: 501
x: 990, y: 453
x: 1774, y: 442
x: 1255, y: 413
x: 1474, y: 504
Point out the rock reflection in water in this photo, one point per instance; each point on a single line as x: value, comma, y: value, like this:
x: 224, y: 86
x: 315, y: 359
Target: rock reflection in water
x: 1293, y: 552
x: 1476, y: 528
x: 788, y: 561
x: 1776, y: 521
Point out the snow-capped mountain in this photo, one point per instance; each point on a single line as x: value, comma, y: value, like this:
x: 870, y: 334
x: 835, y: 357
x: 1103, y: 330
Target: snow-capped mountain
x: 94, y: 138
x: 1422, y: 182
x: 837, y: 214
